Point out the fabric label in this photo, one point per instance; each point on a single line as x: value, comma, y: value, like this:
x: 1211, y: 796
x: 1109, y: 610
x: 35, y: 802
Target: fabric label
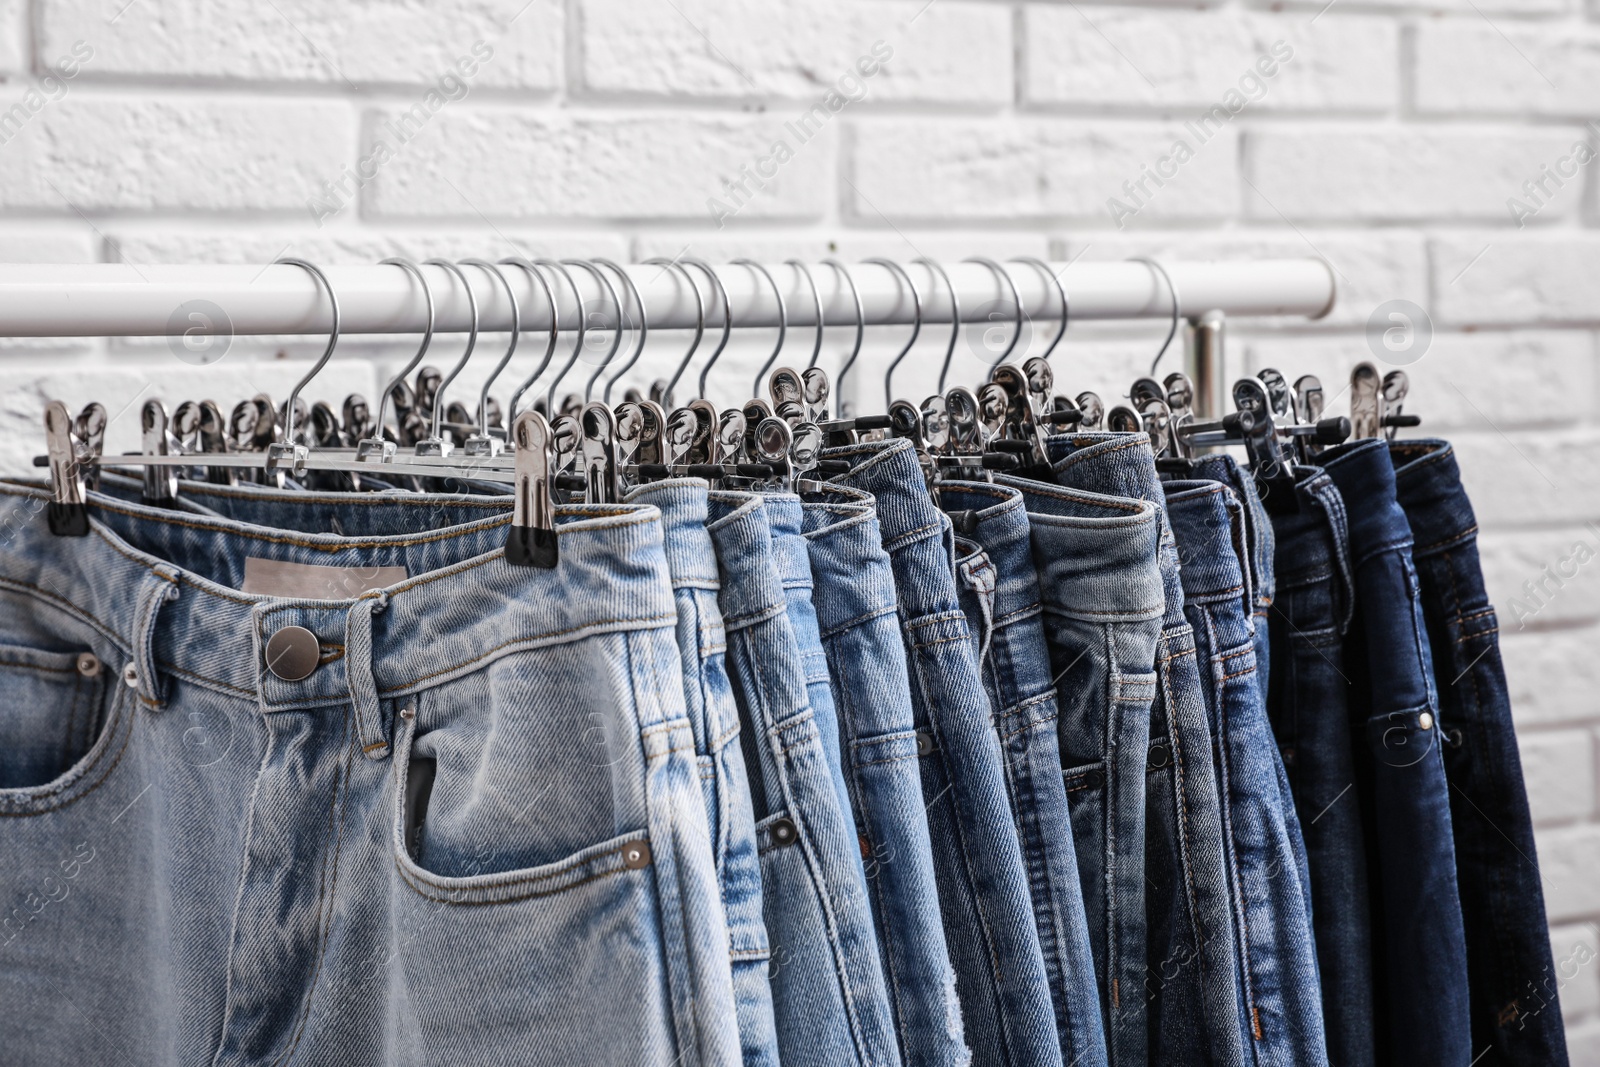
x: 310, y: 581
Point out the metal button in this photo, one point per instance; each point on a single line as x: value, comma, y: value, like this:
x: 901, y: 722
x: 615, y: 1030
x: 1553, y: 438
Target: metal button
x: 1425, y: 720
x: 130, y: 676
x: 293, y: 653
x: 784, y: 832
x: 88, y: 664
x: 924, y: 743
x: 1159, y: 756
x: 636, y: 856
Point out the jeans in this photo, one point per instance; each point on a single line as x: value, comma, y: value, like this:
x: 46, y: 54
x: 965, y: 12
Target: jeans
x: 855, y: 604
x: 485, y: 783
x: 1511, y: 979
x: 1280, y: 998
x: 828, y: 991
x: 978, y: 863
x: 1308, y: 703
x: 1193, y: 1011
x: 1000, y: 593
x: 714, y: 718
x: 1417, y: 935
x: 1100, y: 588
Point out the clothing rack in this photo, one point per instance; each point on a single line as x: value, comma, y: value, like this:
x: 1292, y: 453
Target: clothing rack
x: 127, y: 300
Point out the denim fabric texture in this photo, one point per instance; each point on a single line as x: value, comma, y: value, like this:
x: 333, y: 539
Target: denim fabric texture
x: 1192, y: 979
x: 714, y: 717
x: 978, y: 863
x: 829, y: 997
x: 1100, y: 586
x: 854, y: 598
x: 1308, y: 704
x: 1511, y: 977
x: 1280, y: 998
x: 487, y: 765
x: 1418, y: 942
x: 1000, y: 593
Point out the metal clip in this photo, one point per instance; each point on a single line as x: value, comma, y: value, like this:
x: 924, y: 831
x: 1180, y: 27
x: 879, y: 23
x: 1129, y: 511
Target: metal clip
x: 160, y: 482
x: 531, y: 539
x: 67, y: 513
x: 602, y: 485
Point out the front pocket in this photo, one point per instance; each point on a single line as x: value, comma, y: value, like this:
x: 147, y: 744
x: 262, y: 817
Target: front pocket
x: 52, y: 711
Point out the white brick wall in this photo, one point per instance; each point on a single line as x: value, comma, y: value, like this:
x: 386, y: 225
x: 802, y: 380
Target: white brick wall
x: 1389, y: 142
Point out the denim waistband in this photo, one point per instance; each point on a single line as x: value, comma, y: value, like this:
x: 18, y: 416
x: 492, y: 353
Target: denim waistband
x: 742, y: 530
x: 1095, y: 555
x: 786, y: 517
x: 999, y: 524
x: 461, y: 608
x: 684, y: 507
x: 847, y: 556
x: 1427, y: 481
x: 906, y: 513
x: 1260, y: 542
x: 1364, y: 475
x: 1208, y: 522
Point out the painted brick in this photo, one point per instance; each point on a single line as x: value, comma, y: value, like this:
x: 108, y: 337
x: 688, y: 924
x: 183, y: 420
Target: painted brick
x: 1487, y: 278
x: 143, y: 244
x: 72, y: 242
x: 1541, y: 478
x: 1128, y: 57
x: 950, y: 52
x: 1470, y: 64
x: 1569, y: 861
x: 1031, y: 169
x: 1542, y: 578
x: 849, y: 246
x: 1575, y: 951
x: 1400, y: 174
x: 304, y: 41
x: 168, y: 152
x: 1553, y: 676
x: 506, y: 163
x: 1559, y: 770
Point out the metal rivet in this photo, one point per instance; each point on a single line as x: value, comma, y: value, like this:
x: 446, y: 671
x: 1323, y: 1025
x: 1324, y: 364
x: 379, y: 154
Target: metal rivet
x: 408, y: 713
x: 636, y: 856
x: 1425, y: 720
x: 88, y: 664
x: 130, y: 676
x: 293, y: 653
x: 924, y: 743
x: 1159, y: 756
x: 866, y: 846
x: 784, y: 832
x: 1455, y: 737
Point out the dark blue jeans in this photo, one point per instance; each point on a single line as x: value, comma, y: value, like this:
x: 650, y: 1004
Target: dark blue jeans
x: 983, y: 882
x: 1000, y: 593
x: 1512, y: 983
x: 1419, y: 946
x: 1193, y: 981
x: 1281, y: 1004
x: 1308, y: 702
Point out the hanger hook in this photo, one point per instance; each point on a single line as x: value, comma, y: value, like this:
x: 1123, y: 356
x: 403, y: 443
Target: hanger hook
x: 861, y: 327
x: 427, y: 339
x: 638, y: 346
x: 583, y: 326
x: 955, y: 317
x: 1177, y: 307
x: 472, y: 342
x: 727, y: 318
x: 916, y: 327
x: 1044, y: 268
x: 699, y: 319
x: 606, y: 289
x: 783, y: 322
x: 327, y: 353
x: 1016, y: 303
x: 555, y: 330
x: 816, y: 302
x: 516, y: 334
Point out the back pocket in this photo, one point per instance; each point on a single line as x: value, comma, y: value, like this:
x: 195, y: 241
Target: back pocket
x: 52, y: 710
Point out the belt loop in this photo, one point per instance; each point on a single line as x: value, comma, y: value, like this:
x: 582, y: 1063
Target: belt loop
x: 977, y: 573
x: 1241, y: 548
x: 363, y: 683
x: 1327, y: 494
x: 158, y: 587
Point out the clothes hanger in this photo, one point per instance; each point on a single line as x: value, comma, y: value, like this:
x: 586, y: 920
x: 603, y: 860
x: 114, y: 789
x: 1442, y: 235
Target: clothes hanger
x: 955, y: 317
x: 609, y: 290
x: 816, y: 301
x: 1177, y: 307
x: 482, y: 441
x: 555, y: 328
x: 699, y: 324
x: 1016, y: 304
x: 642, y: 333
x: 783, y: 321
x: 916, y: 327
x: 861, y: 333
x: 727, y: 319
